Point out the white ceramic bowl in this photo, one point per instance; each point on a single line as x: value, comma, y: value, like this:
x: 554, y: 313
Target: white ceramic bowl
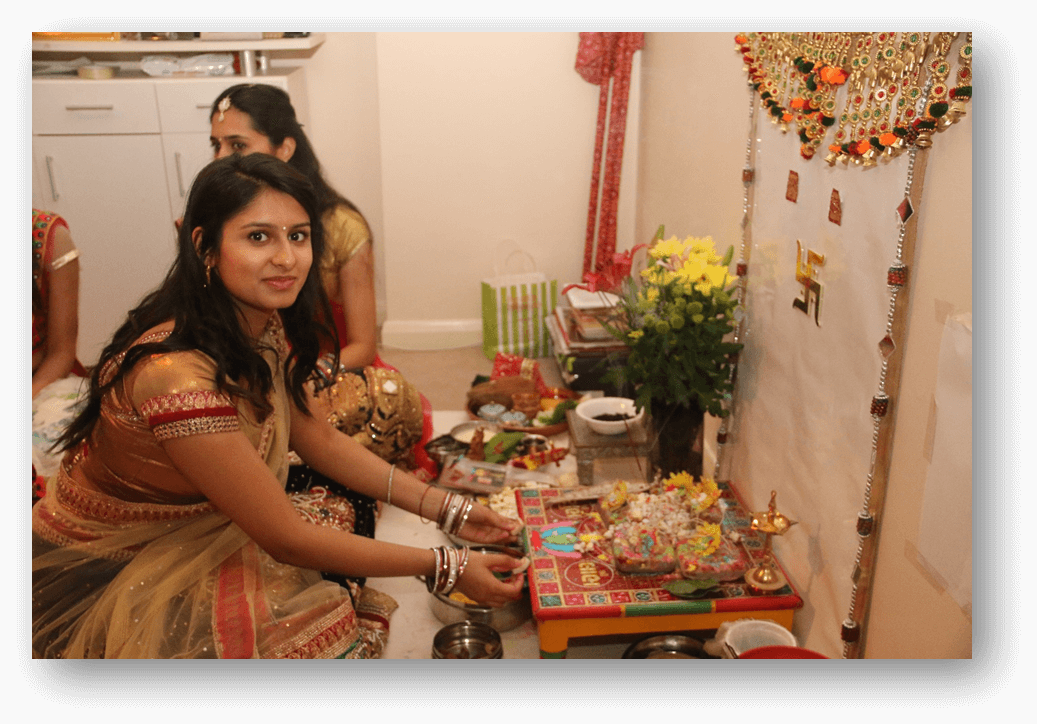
x: 592, y: 408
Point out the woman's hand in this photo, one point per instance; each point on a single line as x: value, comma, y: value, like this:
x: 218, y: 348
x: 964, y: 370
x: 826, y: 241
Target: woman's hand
x: 479, y: 584
x: 487, y: 526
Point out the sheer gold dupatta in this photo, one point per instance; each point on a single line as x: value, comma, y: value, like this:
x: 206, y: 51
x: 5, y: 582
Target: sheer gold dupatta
x: 117, y: 579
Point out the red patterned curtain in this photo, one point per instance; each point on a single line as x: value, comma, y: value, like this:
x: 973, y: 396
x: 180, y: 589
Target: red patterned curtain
x: 605, y: 59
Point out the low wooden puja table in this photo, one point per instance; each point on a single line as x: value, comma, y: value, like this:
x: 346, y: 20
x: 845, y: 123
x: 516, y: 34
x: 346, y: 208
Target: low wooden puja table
x: 581, y: 594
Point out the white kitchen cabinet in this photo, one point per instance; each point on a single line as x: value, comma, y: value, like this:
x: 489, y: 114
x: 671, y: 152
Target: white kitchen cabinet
x: 112, y: 192
x: 116, y: 158
x: 185, y: 155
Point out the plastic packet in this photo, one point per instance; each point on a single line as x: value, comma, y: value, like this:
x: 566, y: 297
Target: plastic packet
x: 199, y: 65
x: 724, y: 561
x: 642, y: 551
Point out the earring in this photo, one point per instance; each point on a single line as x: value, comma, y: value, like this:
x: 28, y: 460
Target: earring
x: 208, y: 275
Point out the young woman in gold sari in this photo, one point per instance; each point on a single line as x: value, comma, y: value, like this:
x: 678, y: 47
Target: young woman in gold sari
x: 167, y: 532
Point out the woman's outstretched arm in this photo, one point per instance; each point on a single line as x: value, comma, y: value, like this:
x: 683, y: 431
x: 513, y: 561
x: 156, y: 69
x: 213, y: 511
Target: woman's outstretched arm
x: 227, y: 470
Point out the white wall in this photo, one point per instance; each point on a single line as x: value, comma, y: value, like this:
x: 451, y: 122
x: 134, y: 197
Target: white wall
x: 451, y: 143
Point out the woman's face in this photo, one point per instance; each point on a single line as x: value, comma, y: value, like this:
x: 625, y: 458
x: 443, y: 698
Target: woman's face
x: 235, y: 134
x: 264, y: 256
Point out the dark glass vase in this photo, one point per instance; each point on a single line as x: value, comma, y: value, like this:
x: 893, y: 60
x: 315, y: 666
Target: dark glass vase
x: 675, y: 431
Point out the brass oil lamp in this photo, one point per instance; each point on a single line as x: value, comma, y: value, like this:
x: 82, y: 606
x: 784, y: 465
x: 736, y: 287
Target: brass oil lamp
x: 766, y: 576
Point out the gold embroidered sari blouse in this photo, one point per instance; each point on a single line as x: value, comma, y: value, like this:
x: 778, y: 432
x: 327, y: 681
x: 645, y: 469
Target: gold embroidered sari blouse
x: 166, y: 396
x: 345, y: 232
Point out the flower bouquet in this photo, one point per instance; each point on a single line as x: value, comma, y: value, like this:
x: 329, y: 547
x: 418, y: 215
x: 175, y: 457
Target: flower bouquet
x: 674, y: 320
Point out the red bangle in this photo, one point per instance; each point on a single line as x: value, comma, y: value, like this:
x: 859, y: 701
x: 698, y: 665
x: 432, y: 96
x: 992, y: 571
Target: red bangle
x: 422, y: 502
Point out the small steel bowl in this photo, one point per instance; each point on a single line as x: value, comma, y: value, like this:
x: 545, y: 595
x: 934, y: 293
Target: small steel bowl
x: 668, y: 646
x: 467, y: 640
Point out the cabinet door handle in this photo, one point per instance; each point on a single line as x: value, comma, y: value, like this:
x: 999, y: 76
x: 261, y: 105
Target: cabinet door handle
x: 179, y: 175
x: 203, y: 106
x: 89, y: 108
x: 50, y: 177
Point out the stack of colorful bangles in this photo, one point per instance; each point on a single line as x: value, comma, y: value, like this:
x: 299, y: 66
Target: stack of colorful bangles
x: 453, y: 512
x: 450, y: 562
x: 325, y: 371
x: 450, y: 565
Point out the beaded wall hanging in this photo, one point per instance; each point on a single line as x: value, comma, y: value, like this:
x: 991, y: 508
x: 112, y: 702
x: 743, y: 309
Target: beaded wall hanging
x: 799, y: 75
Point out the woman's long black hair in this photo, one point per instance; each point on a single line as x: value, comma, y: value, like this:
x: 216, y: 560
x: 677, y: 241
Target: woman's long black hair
x: 271, y: 113
x: 204, y: 313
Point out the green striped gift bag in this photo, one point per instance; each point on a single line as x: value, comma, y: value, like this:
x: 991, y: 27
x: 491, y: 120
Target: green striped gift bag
x: 513, y: 310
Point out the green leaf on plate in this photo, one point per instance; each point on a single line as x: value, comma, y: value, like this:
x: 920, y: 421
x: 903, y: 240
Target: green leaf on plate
x: 684, y: 588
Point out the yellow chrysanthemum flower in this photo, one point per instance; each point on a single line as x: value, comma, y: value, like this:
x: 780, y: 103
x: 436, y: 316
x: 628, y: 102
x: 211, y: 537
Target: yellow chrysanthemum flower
x: 703, y: 245
x: 680, y: 480
x: 654, y: 275
x: 663, y: 249
x: 693, y: 269
x: 717, y: 275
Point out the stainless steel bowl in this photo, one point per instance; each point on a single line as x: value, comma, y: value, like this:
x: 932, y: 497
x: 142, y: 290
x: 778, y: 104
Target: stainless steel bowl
x: 467, y: 640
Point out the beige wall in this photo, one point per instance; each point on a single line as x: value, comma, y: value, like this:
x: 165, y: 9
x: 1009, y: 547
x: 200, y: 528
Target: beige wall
x: 452, y: 143
x: 693, y: 146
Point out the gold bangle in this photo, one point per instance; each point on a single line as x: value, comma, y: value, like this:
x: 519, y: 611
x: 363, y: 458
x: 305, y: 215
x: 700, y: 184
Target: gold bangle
x: 388, y: 494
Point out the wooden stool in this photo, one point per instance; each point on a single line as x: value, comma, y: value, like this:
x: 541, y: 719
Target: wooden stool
x: 589, y: 446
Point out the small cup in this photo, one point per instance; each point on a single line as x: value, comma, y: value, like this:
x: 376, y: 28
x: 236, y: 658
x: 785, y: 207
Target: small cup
x: 492, y: 411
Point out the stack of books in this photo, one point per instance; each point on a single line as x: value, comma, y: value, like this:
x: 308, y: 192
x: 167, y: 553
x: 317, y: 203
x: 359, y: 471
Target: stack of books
x: 584, y: 346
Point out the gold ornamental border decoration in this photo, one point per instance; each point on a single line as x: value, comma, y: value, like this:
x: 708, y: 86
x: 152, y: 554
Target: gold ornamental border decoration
x: 799, y: 75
